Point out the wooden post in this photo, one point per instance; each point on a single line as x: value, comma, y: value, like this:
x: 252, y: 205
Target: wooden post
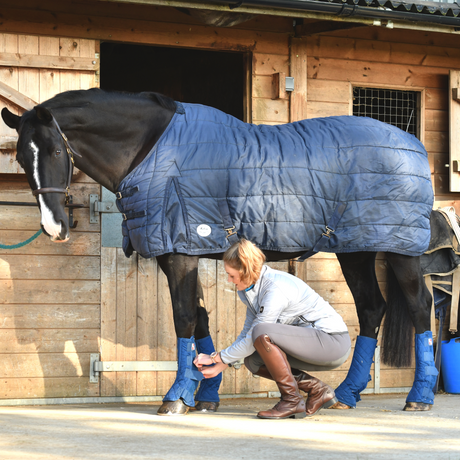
x: 298, y: 64
x: 454, y: 131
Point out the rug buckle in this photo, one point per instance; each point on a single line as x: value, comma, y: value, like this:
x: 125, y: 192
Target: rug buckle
x: 230, y: 231
x: 329, y: 231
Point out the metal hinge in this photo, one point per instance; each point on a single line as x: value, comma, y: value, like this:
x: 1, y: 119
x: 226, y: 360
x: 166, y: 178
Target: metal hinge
x: 96, y: 207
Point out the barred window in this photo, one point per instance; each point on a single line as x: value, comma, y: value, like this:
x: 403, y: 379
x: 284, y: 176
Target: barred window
x: 395, y: 107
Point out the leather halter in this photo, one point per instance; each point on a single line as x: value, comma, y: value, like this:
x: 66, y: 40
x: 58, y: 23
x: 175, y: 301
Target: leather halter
x: 71, y: 152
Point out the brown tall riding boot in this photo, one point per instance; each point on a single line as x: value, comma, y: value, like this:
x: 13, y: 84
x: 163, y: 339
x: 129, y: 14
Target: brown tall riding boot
x: 320, y: 395
x: 291, y: 404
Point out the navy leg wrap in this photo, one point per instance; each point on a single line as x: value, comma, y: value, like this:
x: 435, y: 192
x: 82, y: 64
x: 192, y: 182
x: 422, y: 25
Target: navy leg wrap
x: 208, y: 391
x: 358, y: 375
x: 188, y: 376
x: 425, y: 370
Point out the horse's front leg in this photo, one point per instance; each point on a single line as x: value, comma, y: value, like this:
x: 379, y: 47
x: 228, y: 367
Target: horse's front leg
x: 181, y: 272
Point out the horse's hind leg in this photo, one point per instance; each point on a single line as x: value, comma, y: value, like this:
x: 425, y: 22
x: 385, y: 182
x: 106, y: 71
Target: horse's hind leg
x: 359, y: 272
x: 410, y: 279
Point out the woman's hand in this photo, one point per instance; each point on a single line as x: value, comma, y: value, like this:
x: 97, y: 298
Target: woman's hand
x: 209, y: 370
x: 202, y: 360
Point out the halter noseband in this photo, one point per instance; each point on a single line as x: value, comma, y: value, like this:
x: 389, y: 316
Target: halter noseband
x: 71, y: 152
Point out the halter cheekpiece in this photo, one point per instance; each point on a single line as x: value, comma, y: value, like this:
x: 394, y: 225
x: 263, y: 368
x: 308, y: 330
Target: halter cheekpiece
x: 71, y: 152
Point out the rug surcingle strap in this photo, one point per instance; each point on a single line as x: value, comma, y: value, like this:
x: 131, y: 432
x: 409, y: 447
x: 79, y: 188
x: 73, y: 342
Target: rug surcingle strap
x: 126, y: 193
x: 227, y: 221
x: 133, y: 215
x: 330, y: 229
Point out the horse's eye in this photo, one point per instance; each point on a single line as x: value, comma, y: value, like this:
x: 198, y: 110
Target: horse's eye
x: 58, y: 152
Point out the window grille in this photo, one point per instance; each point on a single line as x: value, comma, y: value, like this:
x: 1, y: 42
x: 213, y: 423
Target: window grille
x: 395, y: 107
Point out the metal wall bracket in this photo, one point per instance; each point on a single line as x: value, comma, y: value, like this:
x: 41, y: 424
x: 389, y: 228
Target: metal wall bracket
x: 97, y: 366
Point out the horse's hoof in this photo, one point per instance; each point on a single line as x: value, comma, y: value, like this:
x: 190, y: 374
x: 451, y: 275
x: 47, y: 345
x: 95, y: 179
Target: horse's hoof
x: 203, y: 406
x: 339, y: 405
x: 173, y: 408
x: 417, y: 406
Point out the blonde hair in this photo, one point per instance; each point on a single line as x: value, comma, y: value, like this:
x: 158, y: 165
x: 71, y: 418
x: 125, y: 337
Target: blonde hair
x: 247, y: 258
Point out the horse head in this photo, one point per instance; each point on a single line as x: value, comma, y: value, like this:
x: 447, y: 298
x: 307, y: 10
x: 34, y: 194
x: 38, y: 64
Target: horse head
x: 41, y: 152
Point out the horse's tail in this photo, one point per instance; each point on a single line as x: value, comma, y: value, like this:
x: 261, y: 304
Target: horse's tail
x: 397, y: 336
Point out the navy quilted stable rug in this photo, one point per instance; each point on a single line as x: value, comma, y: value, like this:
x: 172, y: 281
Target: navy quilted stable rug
x: 279, y: 186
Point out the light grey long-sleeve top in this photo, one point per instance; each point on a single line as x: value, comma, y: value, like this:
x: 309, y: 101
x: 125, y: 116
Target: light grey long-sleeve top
x: 278, y: 297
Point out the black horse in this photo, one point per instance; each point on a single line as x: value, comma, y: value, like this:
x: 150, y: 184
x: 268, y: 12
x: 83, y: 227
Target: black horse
x: 107, y: 136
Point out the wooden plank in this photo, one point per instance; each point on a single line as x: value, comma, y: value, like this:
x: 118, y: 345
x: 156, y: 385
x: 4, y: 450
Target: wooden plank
x: 298, y: 70
x: 59, y: 387
x: 454, y: 133
x: 327, y: 109
x: 27, y: 316
x: 50, y: 291
x: 126, y: 320
x: 33, y: 365
x: 49, y: 340
x: 14, y: 218
x: 383, y: 51
x: 80, y: 243
x: 436, y: 99
x: 337, y: 92
x: 9, y: 77
x: 49, y: 78
x: 108, y: 317
x: 147, y: 322
x: 268, y: 110
x: 48, y: 62
x: 20, y: 191
x: 16, y: 97
x: 269, y: 63
x: 30, y: 267
x: 226, y: 322
x: 88, y: 51
x: 29, y: 78
x: 337, y: 292
x: 69, y: 80
x: 437, y: 120
x: 436, y: 142
x: 376, y: 73
x: 167, y: 350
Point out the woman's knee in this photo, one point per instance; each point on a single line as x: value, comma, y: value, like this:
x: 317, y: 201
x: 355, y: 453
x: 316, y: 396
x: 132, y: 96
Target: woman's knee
x: 259, y: 329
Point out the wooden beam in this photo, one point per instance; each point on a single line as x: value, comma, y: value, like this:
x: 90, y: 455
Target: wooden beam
x: 298, y: 64
x: 14, y: 96
x: 454, y: 131
x: 49, y: 62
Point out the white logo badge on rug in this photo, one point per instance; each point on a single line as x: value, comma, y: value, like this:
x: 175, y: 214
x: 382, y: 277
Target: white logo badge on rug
x: 203, y: 230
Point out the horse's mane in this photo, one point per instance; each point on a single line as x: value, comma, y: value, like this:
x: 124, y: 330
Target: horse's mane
x: 79, y: 98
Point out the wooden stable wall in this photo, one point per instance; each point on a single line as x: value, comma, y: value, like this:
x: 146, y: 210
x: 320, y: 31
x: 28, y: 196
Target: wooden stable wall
x: 50, y: 293
x: 61, y: 302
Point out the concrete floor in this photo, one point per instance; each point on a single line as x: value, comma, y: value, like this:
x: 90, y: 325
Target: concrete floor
x: 377, y: 429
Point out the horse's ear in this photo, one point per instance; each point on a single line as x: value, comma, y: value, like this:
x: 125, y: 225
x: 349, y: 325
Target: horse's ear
x: 43, y: 114
x: 10, y: 119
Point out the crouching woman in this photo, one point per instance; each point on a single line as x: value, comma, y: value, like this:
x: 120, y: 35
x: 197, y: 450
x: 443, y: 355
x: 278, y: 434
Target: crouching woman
x: 289, y: 330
